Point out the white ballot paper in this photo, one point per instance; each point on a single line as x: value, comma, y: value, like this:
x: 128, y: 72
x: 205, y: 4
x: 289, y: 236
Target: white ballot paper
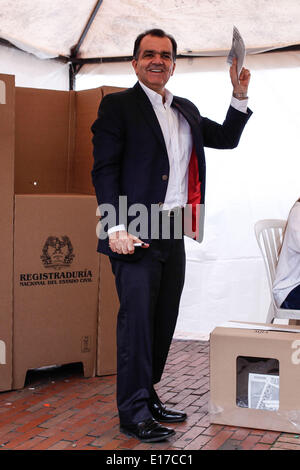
x: 263, y: 392
x: 237, y: 50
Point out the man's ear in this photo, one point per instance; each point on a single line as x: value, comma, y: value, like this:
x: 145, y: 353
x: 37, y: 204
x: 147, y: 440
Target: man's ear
x: 174, y: 67
x: 134, y: 64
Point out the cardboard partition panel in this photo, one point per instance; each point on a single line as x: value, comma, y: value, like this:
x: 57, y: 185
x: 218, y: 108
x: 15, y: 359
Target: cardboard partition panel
x: 86, y: 106
x: 7, y: 135
x: 56, y: 277
x: 107, y: 320
x: 54, y: 152
x: 255, y: 376
x: 86, y: 103
x: 47, y: 315
x: 45, y: 124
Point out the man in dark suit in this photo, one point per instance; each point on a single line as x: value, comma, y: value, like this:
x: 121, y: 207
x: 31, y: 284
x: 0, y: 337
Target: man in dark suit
x: 149, y: 154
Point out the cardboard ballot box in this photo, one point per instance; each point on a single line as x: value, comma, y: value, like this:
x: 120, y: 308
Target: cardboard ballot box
x: 56, y: 283
x: 53, y: 308
x: 255, y: 376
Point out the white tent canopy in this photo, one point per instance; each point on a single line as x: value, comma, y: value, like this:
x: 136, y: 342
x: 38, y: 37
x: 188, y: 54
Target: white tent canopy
x: 225, y: 277
x: 51, y: 28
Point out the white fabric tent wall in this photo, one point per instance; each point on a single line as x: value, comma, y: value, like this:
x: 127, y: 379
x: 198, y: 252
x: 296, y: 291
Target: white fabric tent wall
x: 225, y: 278
x: 32, y: 72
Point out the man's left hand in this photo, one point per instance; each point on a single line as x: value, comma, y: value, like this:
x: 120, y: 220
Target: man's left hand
x: 240, y: 84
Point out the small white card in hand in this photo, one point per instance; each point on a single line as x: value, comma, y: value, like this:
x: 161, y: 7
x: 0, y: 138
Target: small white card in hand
x: 237, y: 50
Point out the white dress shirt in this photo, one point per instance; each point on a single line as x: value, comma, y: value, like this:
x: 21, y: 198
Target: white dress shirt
x: 179, y: 143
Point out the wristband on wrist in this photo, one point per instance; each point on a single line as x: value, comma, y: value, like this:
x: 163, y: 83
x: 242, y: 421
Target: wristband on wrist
x: 240, y: 95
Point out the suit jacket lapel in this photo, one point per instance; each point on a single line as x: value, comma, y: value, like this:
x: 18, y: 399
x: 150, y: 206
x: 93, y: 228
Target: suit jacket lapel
x: 189, y: 117
x: 149, y: 113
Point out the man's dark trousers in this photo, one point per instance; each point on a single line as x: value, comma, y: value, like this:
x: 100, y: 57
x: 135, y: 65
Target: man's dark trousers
x: 149, y: 291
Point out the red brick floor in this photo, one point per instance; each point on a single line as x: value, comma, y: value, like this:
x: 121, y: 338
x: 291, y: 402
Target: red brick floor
x: 59, y: 409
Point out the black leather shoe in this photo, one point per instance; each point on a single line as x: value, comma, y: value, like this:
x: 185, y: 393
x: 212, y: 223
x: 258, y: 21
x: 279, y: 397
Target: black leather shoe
x: 165, y: 415
x: 147, y: 431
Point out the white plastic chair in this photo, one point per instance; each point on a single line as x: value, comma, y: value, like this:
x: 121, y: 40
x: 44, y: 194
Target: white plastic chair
x: 269, y: 236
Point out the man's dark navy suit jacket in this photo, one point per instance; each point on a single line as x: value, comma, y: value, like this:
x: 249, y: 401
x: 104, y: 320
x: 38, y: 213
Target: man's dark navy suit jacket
x: 130, y: 155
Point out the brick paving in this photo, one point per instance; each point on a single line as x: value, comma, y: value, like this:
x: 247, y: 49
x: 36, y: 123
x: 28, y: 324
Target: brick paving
x: 59, y: 409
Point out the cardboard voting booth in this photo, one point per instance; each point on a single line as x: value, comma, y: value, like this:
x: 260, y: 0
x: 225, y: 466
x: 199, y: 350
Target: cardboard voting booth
x: 58, y: 302
x: 7, y: 139
x: 255, y: 376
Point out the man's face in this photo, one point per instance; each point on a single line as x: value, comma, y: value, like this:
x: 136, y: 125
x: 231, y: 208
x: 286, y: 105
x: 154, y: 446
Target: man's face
x: 155, y: 63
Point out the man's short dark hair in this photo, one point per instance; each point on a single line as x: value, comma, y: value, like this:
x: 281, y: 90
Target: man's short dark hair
x: 157, y: 33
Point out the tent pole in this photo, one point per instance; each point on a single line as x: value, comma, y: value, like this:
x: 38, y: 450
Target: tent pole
x: 75, y: 49
x: 73, y: 68
x: 72, y: 74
